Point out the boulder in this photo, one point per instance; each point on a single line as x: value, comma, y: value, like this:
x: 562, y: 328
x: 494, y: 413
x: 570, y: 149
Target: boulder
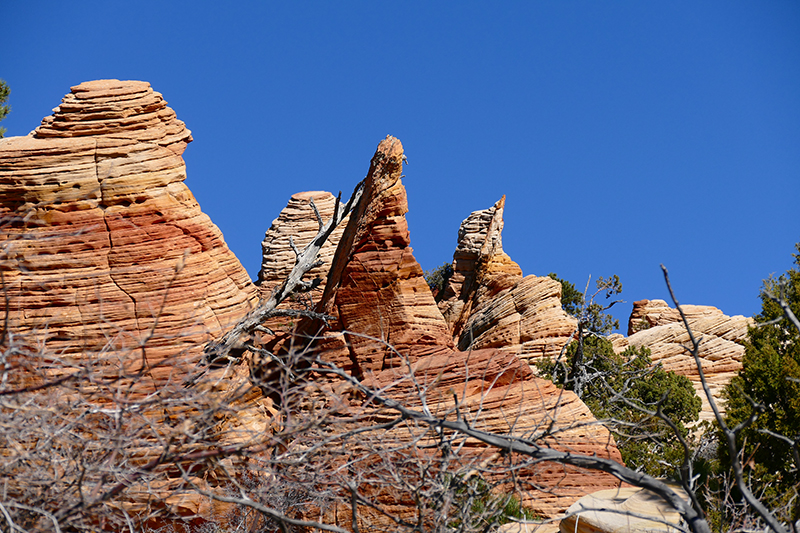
x: 623, y: 510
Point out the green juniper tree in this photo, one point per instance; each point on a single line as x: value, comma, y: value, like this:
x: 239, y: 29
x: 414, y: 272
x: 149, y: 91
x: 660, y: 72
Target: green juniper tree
x: 625, y: 390
x: 438, y: 277
x: 5, y: 91
x: 769, y: 385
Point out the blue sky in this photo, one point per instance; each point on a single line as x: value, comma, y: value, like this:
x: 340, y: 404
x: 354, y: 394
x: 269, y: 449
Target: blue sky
x: 624, y: 134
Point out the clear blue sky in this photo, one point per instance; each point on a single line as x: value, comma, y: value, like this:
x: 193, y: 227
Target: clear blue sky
x: 624, y: 134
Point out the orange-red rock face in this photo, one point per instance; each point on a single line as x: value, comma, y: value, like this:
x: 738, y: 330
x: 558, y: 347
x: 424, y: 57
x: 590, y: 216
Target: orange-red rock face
x: 377, y: 292
x: 104, y: 249
x: 377, y: 288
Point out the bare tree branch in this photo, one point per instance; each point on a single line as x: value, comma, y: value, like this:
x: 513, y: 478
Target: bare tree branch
x: 530, y: 448
x: 784, y: 305
x: 730, y: 434
x: 304, y: 262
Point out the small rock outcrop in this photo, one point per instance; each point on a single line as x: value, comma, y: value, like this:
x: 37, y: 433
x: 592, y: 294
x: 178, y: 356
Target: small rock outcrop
x: 297, y: 221
x: 481, y: 268
x: 657, y: 326
x: 623, y: 510
x: 489, y: 304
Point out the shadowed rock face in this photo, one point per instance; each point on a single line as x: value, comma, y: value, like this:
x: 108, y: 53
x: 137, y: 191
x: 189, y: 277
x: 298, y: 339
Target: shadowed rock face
x: 104, y: 248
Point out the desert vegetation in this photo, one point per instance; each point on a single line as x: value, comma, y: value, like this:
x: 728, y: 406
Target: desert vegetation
x: 83, y: 448
x: 133, y: 407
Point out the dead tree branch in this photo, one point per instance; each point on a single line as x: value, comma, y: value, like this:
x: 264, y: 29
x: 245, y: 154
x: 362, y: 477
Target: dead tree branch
x: 730, y: 434
x: 528, y: 447
x: 305, y: 260
x: 784, y: 305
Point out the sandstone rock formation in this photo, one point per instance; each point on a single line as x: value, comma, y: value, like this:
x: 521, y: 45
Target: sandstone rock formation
x: 389, y: 328
x: 488, y: 303
x: 104, y: 249
x: 376, y: 287
x: 481, y: 268
x: 657, y: 326
x: 107, y: 259
x: 298, y: 222
x: 113, y: 274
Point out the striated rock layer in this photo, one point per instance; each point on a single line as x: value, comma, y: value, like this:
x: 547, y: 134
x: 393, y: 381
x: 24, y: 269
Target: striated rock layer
x: 376, y: 287
x: 111, y: 271
x: 297, y: 221
x: 488, y: 304
x: 655, y: 325
x: 104, y: 249
x: 481, y: 268
x: 388, y: 328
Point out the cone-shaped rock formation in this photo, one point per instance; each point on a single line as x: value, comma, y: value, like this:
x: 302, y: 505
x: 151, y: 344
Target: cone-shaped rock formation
x: 104, y: 249
x: 389, y: 329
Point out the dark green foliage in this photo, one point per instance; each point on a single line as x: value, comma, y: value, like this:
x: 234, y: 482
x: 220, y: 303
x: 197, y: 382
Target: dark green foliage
x: 438, y: 277
x: 5, y: 91
x: 592, y: 315
x: 770, y: 376
x: 481, y: 506
x: 620, y: 389
x: 624, y: 390
x: 571, y: 298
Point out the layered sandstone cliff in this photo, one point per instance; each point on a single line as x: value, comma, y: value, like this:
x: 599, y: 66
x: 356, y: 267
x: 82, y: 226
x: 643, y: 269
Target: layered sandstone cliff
x: 390, y: 333
x: 657, y: 326
x: 114, y: 279
x: 104, y: 249
x: 489, y: 304
x: 107, y: 256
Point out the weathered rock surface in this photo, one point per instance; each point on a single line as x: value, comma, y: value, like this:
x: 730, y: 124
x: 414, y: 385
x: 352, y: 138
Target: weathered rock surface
x: 625, y: 509
x: 298, y: 222
x: 389, y: 328
x: 527, y: 320
x: 376, y: 287
x: 481, y: 268
x: 659, y: 327
x: 487, y: 302
x: 112, y: 271
x: 104, y: 249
